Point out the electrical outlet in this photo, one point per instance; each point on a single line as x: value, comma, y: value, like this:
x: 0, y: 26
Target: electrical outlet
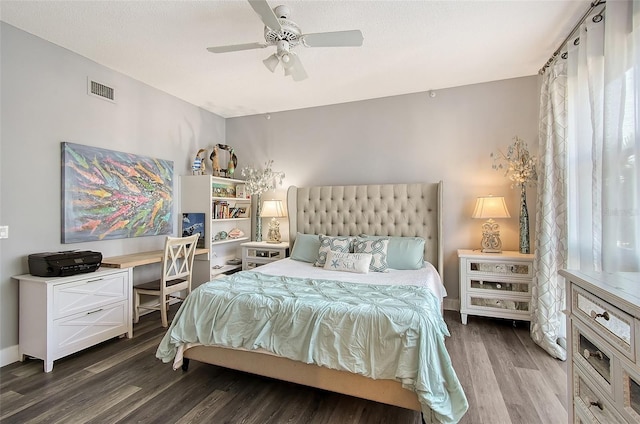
x: 4, y: 231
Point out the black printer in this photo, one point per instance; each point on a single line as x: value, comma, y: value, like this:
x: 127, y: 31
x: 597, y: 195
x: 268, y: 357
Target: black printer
x: 62, y: 264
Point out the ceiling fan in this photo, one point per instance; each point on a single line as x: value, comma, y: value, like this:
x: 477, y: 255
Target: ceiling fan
x: 285, y: 34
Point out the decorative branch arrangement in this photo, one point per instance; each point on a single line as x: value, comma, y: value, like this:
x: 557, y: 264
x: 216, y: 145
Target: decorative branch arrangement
x: 518, y: 163
x: 520, y: 167
x: 259, y: 181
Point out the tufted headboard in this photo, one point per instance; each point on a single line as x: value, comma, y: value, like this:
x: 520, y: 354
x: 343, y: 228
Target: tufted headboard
x: 409, y: 210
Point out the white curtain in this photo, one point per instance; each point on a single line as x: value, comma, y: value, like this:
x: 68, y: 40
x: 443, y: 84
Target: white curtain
x: 589, y: 176
x: 604, y: 149
x: 547, y: 322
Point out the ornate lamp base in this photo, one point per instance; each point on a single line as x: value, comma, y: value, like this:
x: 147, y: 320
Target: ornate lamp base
x: 274, y: 231
x: 491, y: 242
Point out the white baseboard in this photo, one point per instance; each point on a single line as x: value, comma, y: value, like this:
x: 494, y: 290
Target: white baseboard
x: 451, y: 304
x: 9, y: 355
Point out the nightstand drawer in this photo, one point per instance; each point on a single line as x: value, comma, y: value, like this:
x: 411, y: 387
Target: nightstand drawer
x: 504, y: 268
x: 265, y: 253
x: 489, y: 285
x: 257, y: 253
x: 615, y: 325
x: 499, y: 304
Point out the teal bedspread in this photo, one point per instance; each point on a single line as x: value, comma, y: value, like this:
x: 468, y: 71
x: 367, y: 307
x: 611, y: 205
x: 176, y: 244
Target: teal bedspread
x: 382, y: 332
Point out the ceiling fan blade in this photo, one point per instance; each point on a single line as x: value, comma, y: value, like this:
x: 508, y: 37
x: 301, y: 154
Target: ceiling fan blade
x: 262, y: 8
x: 351, y: 38
x: 294, y: 68
x: 236, y: 47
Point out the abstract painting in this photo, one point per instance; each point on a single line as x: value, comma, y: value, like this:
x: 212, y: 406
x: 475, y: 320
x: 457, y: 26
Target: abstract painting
x: 111, y: 195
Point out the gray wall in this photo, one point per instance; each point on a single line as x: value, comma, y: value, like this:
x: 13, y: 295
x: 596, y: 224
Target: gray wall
x: 44, y: 101
x: 410, y: 138
x: 406, y: 138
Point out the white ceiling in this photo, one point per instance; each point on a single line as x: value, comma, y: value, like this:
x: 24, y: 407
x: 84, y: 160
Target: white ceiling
x: 409, y: 46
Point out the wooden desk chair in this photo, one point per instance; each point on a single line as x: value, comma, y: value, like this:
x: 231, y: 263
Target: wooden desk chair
x: 177, y: 269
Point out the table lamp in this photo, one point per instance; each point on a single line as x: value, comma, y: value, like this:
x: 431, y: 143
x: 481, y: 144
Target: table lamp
x: 490, y: 207
x: 273, y: 209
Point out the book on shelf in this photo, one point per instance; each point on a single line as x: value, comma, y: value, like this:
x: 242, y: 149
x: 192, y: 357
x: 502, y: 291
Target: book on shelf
x: 220, y: 209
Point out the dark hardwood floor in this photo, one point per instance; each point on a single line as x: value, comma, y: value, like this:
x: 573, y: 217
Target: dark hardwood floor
x: 506, y: 377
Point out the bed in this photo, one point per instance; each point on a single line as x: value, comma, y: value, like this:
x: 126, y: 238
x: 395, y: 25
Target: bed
x: 405, y: 370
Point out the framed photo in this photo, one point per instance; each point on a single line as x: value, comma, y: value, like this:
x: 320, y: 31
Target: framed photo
x: 241, y: 191
x: 243, y: 212
x: 193, y: 223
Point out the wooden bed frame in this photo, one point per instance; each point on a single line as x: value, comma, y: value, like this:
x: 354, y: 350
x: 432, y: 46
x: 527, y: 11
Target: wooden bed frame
x: 391, y: 209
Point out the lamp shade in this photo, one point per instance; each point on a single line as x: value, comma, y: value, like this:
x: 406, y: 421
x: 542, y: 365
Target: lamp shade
x: 491, y: 207
x: 272, y: 209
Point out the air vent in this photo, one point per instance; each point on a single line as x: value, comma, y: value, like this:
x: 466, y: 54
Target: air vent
x: 100, y: 90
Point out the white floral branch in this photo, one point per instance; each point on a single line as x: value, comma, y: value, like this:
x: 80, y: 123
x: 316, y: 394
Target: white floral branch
x: 259, y: 181
x: 518, y: 163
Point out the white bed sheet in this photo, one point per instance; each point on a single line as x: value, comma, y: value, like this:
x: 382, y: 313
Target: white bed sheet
x: 426, y: 276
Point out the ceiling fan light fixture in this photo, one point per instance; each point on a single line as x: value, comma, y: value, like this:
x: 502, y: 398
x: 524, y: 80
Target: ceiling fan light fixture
x: 271, y: 62
x: 295, y: 69
x: 284, y: 34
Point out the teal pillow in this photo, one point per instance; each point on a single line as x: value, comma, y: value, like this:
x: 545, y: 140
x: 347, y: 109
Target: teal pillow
x: 306, y: 248
x: 403, y: 252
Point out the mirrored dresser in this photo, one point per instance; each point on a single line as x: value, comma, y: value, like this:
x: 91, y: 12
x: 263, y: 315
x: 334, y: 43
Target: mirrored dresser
x: 603, y: 359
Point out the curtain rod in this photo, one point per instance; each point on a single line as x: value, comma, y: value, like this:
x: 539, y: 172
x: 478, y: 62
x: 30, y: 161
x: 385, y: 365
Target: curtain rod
x: 593, y: 5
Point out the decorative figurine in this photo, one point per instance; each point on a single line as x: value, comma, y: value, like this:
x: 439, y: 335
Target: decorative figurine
x: 198, y: 167
x: 231, y: 166
x: 233, y: 160
x: 236, y: 233
x: 215, y: 164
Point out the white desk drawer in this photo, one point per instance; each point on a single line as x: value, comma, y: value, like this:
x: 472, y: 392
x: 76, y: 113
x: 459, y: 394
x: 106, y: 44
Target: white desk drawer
x: 615, y: 325
x: 85, y: 329
x: 88, y: 294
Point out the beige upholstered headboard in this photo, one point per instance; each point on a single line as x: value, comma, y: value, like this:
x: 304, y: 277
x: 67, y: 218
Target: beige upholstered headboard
x: 409, y: 210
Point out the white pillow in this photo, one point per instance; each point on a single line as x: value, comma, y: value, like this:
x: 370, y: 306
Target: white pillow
x: 349, y: 262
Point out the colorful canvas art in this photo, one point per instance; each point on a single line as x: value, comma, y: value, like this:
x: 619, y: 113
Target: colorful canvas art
x: 111, y: 195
